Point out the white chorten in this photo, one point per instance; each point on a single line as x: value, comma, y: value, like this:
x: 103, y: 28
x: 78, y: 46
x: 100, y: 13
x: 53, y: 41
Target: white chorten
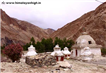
x: 58, y: 53
x: 31, y: 51
x: 86, y: 54
x: 66, y: 52
x: 86, y: 51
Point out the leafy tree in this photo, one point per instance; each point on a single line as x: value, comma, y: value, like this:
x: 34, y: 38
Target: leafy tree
x: 25, y: 47
x: 40, y: 47
x: 32, y: 42
x: 48, y: 44
x: 64, y: 43
x: 50, y: 41
x: 59, y: 42
x: 70, y: 43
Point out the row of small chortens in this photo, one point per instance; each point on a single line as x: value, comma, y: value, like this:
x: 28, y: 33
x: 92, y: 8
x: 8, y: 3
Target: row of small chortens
x: 60, y: 55
x: 57, y: 51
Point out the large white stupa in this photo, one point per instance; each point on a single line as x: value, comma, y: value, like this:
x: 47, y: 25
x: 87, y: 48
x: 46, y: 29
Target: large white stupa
x: 84, y: 41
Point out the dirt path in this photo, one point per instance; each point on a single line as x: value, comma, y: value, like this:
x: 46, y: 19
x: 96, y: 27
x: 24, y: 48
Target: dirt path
x: 97, y: 65
x: 77, y: 67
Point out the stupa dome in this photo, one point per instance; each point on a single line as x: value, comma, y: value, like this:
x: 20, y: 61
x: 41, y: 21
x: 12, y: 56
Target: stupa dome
x: 66, y: 51
x: 85, y: 39
x: 31, y: 51
x: 31, y: 48
x: 56, y: 48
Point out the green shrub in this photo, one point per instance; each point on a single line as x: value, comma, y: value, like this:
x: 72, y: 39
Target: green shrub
x: 2, y: 47
x: 14, y: 52
x: 25, y: 47
x: 103, y: 51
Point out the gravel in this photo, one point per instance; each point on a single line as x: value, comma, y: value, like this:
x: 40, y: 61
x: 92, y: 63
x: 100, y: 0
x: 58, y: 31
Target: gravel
x: 77, y: 67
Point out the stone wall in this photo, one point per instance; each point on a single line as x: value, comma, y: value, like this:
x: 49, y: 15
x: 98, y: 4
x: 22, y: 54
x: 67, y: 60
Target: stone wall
x: 41, y: 60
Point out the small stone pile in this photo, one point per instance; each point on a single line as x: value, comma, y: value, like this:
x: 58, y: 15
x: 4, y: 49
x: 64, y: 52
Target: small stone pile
x: 41, y: 60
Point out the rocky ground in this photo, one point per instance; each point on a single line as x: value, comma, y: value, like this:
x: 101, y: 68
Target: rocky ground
x: 98, y: 65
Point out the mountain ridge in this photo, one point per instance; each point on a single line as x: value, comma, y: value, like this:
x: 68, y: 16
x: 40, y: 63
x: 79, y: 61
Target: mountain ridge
x: 18, y: 31
x: 93, y: 22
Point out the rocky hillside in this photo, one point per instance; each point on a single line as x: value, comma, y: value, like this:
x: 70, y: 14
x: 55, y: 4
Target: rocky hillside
x: 17, y: 31
x: 93, y: 22
x: 49, y: 30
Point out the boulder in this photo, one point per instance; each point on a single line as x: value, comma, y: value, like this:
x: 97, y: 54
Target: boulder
x: 64, y: 64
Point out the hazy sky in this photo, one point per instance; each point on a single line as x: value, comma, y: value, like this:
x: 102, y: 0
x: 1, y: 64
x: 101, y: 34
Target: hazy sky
x: 50, y: 13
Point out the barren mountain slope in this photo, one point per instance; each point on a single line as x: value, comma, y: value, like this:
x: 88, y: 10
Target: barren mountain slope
x: 49, y: 30
x: 17, y: 31
x: 93, y: 22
